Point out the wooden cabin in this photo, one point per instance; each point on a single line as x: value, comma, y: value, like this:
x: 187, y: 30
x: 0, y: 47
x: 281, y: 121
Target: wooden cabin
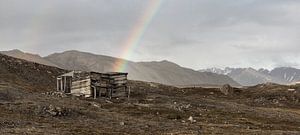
x: 93, y: 84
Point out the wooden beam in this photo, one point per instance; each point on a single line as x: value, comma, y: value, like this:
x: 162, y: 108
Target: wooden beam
x: 61, y: 85
x: 110, y: 93
x: 128, y: 95
x: 65, y: 83
x: 57, y: 84
x: 95, y: 91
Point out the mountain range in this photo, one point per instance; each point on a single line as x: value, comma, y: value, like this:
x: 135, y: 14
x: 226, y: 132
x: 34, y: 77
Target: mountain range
x: 251, y: 76
x: 164, y: 72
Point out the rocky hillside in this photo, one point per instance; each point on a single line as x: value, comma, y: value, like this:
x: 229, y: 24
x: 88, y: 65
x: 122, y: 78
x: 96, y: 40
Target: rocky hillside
x: 28, y: 75
x: 250, y: 76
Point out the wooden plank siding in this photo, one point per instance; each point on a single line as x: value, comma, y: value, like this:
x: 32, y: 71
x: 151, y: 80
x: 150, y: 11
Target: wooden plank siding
x: 81, y: 87
x: 93, y: 84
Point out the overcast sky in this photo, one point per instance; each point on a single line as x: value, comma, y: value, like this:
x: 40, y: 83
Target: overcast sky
x: 193, y: 33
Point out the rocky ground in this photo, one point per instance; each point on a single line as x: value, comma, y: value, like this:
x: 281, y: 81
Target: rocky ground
x: 29, y: 105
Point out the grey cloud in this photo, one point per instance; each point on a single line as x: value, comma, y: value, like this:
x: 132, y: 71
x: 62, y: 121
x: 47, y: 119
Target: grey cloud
x: 193, y: 33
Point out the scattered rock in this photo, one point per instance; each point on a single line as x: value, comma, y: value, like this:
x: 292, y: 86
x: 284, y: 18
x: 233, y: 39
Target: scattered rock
x: 291, y: 90
x: 56, y: 111
x: 107, y: 101
x: 191, y: 119
x: 122, y: 123
x: 9, y: 124
x: 55, y: 94
x: 181, y: 107
x: 153, y: 85
x: 226, y: 89
x: 96, y: 105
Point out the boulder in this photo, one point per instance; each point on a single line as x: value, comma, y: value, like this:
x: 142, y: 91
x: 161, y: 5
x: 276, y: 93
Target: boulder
x: 191, y: 119
x: 226, y: 89
x: 57, y: 111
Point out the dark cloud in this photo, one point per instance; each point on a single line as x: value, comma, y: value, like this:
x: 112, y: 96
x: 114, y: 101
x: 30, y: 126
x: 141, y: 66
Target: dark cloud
x: 193, y: 33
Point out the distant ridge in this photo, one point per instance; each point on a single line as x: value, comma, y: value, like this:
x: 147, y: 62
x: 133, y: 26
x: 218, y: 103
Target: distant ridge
x: 27, y: 56
x: 251, y: 76
x: 164, y: 72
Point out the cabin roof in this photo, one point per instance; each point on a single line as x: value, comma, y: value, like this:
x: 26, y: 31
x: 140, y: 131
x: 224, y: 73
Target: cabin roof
x: 68, y: 74
x: 78, y: 72
x: 115, y: 73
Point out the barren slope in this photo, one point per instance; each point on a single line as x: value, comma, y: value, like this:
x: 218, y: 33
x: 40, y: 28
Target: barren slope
x: 29, y: 75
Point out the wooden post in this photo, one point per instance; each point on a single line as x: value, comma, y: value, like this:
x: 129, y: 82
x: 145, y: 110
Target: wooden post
x: 57, y: 84
x: 128, y: 92
x: 99, y: 92
x: 110, y: 96
x: 70, y: 85
x: 61, y: 84
x: 95, y: 92
x: 107, y: 92
x: 65, y: 83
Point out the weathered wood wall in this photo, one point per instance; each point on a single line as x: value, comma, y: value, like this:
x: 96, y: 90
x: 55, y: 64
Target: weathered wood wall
x: 90, y: 83
x: 81, y: 88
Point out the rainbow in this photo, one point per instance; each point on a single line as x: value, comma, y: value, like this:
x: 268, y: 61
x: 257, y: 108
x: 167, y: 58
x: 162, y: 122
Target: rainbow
x: 136, y: 34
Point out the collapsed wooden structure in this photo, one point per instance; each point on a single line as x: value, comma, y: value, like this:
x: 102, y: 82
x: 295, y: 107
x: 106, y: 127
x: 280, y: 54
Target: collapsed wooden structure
x: 93, y: 84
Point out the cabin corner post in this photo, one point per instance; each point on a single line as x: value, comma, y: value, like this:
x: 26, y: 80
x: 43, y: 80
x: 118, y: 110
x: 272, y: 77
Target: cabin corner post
x: 110, y: 93
x: 57, y: 84
x: 65, y: 83
x: 61, y: 85
x: 128, y: 95
x: 95, y: 91
x: 99, y: 94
